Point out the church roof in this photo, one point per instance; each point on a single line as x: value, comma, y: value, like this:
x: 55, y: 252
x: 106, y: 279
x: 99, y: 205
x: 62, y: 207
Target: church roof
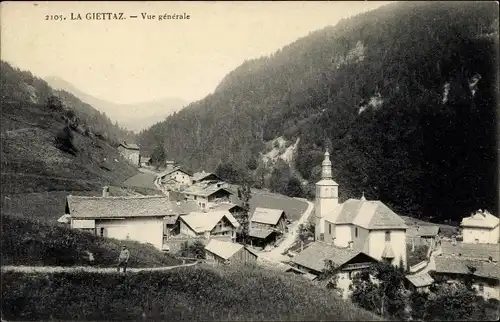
x: 371, y: 214
x: 326, y: 182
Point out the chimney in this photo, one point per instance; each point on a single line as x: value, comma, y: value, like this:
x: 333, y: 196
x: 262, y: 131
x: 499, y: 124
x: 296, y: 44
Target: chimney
x: 178, y: 203
x: 105, y: 192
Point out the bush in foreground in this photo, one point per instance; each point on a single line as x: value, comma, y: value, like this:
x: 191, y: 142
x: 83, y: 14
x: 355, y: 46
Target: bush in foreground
x: 241, y: 293
x: 30, y: 242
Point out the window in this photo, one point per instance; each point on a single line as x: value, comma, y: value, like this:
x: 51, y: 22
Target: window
x: 195, y: 197
x: 388, y: 236
x: 330, y: 229
x: 356, y: 232
x: 481, y: 288
x: 102, y: 232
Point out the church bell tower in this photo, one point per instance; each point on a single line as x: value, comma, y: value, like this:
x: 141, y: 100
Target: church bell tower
x: 327, y: 196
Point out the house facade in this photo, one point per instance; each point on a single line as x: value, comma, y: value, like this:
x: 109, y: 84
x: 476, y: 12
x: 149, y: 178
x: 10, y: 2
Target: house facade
x: 140, y: 219
x: 223, y: 252
x: 481, y: 227
x: 130, y: 151
x: 208, y: 224
x: 366, y: 225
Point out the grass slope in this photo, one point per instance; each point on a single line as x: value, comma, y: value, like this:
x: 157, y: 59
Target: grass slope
x: 37, y: 243
x: 194, y: 293
x: 32, y: 163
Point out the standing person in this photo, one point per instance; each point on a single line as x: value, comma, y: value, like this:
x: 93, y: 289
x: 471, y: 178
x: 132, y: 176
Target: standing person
x: 123, y: 259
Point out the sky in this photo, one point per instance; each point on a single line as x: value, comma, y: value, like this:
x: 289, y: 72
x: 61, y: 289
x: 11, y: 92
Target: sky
x: 138, y: 60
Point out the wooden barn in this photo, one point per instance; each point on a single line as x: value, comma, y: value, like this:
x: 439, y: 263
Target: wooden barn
x: 223, y: 252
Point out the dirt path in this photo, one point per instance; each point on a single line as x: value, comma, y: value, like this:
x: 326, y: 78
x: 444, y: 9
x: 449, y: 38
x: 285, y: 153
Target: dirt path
x: 75, y: 269
x: 276, y: 253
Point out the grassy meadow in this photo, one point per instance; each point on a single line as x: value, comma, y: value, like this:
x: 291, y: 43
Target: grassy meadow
x: 234, y: 293
x: 38, y: 243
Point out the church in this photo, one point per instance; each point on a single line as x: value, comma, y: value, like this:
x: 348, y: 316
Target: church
x: 352, y: 234
x: 365, y: 225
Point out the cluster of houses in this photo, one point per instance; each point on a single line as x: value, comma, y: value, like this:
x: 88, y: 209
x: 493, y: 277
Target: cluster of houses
x: 194, y: 207
x: 351, y: 235
x: 358, y: 232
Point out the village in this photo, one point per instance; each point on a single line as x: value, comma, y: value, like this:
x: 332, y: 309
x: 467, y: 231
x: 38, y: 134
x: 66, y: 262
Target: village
x: 201, y: 208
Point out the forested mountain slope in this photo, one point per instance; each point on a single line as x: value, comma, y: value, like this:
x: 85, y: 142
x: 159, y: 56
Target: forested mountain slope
x: 22, y: 86
x: 404, y: 97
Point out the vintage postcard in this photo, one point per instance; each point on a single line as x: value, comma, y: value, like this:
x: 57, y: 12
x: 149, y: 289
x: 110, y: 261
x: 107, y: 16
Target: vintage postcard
x: 249, y: 160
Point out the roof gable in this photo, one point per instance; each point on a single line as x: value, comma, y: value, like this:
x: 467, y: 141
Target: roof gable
x: 455, y: 265
x: 129, y: 146
x: 200, y: 176
x: 205, y: 190
x: 109, y: 207
x: 267, y: 215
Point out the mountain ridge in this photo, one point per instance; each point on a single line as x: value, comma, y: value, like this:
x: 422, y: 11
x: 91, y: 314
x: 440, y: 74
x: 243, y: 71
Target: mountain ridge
x: 138, y: 116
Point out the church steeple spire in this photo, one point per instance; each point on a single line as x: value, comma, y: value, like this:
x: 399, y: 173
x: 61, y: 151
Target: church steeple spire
x: 326, y: 167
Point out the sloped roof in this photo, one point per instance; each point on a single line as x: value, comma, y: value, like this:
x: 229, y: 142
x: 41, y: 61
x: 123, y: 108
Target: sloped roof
x: 422, y: 231
x: 203, y: 190
x: 199, y: 176
x: 223, y: 249
x: 471, y: 251
x: 129, y: 206
x: 206, y: 221
x: 130, y: 146
x: 267, y: 215
x: 184, y: 207
x: 225, y: 206
x: 371, y: 214
x: 167, y: 172
x: 65, y: 219
x: 259, y: 233
x: 481, y: 219
x: 145, y: 159
x: 455, y: 265
x: 420, y: 280
x: 314, y: 256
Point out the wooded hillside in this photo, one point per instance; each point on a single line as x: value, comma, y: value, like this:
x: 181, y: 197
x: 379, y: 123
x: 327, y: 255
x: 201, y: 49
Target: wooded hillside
x: 404, y: 96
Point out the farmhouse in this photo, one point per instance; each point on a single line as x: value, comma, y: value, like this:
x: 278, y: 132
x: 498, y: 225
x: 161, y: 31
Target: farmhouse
x: 130, y: 151
x: 347, y: 261
x: 369, y: 226
x: 481, y: 227
x: 486, y: 275
x: 136, y: 218
x: 208, y: 224
x: 178, y: 208
x: 174, y: 178
x: 223, y: 252
x: 207, y: 195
